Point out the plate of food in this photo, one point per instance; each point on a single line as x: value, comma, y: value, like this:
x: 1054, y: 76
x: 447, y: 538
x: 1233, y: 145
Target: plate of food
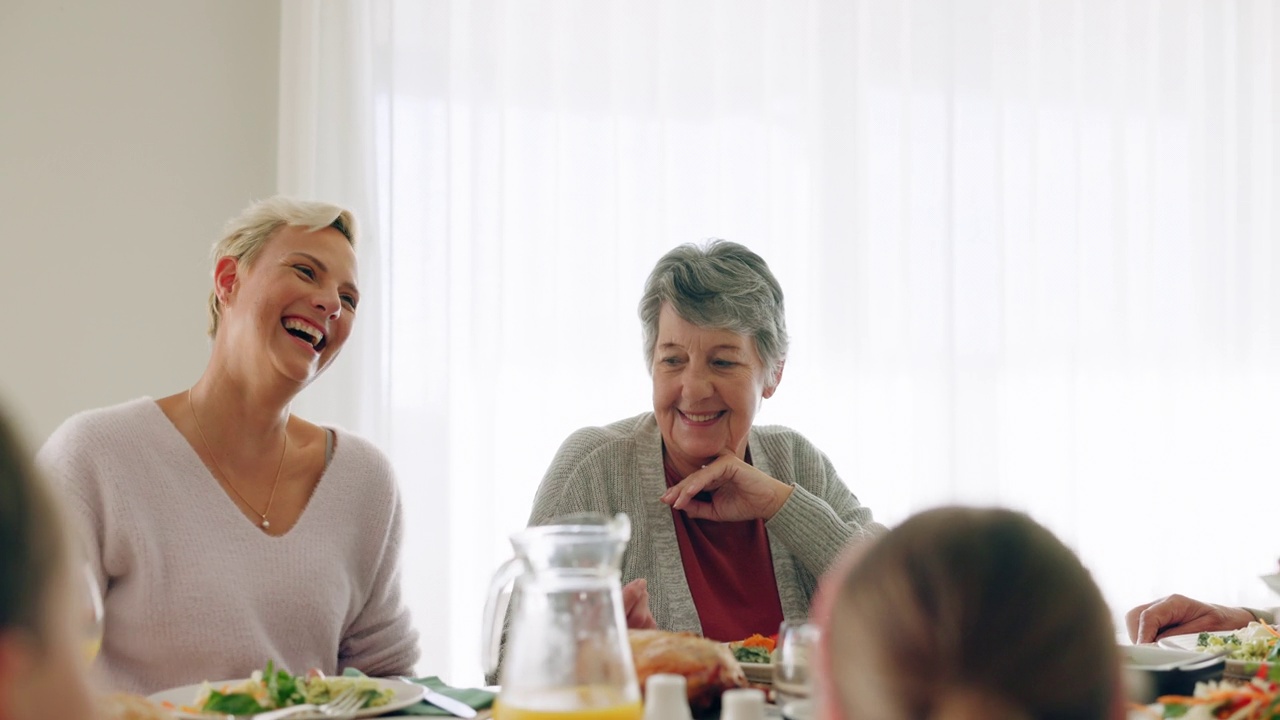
x: 755, y: 655
x: 276, y: 688
x: 1257, y: 698
x: 1248, y: 649
x: 707, y: 666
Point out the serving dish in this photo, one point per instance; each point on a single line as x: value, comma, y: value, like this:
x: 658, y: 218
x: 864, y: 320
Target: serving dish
x: 1152, y: 671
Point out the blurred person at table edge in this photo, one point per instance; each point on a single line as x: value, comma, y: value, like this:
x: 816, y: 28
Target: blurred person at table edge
x: 224, y: 530
x: 1179, y: 615
x: 965, y: 614
x: 43, y: 672
x: 732, y: 523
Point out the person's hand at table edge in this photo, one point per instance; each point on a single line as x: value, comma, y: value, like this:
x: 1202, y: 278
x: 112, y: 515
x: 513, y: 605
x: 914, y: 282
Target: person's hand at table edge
x: 1180, y: 615
x: 635, y: 601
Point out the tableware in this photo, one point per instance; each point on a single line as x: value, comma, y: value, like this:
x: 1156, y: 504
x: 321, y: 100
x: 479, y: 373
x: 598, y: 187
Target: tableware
x: 442, y: 701
x: 1152, y: 671
x: 742, y: 704
x: 403, y: 695
x: 798, y: 710
x: 567, y: 653
x: 666, y: 697
x: 759, y: 673
x: 792, y: 680
x: 342, y: 705
x: 1232, y: 668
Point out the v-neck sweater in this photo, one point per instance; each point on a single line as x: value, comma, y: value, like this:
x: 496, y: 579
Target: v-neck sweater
x: 195, y: 591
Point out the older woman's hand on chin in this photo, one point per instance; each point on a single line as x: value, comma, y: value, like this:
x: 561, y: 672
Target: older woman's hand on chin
x: 1179, y: 615
x: 736, y: 491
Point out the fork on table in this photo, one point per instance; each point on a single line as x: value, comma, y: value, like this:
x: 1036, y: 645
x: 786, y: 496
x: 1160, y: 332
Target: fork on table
x: 342, y: 705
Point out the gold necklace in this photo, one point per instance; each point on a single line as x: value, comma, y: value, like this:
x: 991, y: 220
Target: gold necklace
x: 227, y: 478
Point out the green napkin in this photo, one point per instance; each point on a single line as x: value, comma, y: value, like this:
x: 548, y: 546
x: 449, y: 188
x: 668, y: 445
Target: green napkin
x: 475, y: 697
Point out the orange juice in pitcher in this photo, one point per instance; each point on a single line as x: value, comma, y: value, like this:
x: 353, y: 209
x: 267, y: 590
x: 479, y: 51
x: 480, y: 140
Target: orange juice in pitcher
x: 566, y: 655
x: 585, y: 703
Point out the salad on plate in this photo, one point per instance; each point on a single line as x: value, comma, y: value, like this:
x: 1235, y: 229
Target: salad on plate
x: 757, y: 649
x: 274, y: 688
x: 1258, y: 699
x: 1256, y: 642
x: 755, y: 655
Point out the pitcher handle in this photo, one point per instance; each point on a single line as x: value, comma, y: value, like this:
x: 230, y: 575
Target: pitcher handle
x: 500, y: 589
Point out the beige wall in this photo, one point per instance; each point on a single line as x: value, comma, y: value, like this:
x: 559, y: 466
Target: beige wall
x: 129, y: 132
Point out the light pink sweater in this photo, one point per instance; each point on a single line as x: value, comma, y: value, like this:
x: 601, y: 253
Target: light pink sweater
x: 195, y: 591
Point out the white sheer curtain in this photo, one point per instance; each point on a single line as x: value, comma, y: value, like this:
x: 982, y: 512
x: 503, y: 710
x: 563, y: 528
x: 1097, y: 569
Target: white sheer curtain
x: 1029, y: 250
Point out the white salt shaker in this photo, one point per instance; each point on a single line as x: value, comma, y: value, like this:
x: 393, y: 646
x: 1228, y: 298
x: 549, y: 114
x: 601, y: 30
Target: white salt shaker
x: 666, y: 697
x: 742, y: 704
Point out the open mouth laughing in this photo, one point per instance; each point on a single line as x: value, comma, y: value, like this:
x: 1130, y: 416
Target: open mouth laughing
x: 306, y: 332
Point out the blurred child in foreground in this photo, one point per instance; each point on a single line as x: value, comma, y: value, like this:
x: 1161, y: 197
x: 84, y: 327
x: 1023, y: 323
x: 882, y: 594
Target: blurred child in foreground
x: 966, y: 613
x: 43, y: 673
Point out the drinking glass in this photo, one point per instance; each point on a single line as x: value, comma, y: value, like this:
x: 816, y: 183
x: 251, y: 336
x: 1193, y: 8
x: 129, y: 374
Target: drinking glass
x: 796, y: 648
x: 92, y: 619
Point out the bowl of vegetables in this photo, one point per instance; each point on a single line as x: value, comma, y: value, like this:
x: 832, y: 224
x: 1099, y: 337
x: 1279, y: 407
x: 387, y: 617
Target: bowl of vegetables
x: 755, y: 655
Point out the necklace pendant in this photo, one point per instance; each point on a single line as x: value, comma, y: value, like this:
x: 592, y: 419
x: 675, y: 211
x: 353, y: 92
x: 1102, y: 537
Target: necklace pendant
x: 266, y: 523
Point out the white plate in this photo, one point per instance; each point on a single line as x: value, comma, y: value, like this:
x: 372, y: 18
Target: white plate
x: 1234, y: 668
x: 405, y: 694
x: 759, y: 673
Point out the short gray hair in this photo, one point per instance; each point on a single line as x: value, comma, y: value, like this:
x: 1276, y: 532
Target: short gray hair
x: 245, y: 234
x: 721, y: 285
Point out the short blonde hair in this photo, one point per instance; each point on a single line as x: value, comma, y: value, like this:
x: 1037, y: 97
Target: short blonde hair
x: 245, y: 234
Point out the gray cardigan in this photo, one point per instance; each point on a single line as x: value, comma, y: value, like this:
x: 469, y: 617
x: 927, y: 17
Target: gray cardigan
x: 618, y: 468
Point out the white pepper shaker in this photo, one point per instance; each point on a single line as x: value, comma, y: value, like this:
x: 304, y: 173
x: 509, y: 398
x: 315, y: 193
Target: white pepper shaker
x: 742, y: 704
x: 666, y: 697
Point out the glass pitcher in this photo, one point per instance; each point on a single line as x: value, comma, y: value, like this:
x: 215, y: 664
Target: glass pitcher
x: 567, y: 655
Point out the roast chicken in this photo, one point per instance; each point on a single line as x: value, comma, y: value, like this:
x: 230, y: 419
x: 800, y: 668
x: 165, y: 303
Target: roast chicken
x: 708, y: 667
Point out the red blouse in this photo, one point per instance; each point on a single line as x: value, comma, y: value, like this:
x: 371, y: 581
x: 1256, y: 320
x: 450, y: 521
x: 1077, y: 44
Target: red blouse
x: 729, y: 569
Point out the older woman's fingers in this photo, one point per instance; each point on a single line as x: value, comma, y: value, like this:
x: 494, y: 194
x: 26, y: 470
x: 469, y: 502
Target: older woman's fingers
x: 1179, y: 615
x: 1213, y: 618
x: 1131, y: 621
x: 682, y: 493
x: 635, y: 602
x: 1171, y: 611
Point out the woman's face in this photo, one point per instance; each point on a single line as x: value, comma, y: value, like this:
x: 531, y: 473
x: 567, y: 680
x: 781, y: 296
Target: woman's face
x: 707, y: 385
x: 294, y: 307
x: 52, y: 678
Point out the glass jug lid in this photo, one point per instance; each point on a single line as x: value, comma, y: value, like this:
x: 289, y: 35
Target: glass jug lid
x: 586, y: 542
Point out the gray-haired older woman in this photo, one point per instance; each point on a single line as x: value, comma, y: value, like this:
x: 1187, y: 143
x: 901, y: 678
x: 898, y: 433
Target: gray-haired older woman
x: 731, y: 524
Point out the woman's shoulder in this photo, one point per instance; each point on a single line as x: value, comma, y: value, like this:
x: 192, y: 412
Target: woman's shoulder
x: 105, y: 423
x: 594, y: 438
x: 359, y: 453
x: 784, y: 444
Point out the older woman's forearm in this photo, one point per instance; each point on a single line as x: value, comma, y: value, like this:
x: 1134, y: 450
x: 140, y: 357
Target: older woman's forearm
x: 814, y: 532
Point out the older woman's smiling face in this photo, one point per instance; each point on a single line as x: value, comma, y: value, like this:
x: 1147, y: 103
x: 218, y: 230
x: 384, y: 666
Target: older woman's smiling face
x: 707, y: 386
